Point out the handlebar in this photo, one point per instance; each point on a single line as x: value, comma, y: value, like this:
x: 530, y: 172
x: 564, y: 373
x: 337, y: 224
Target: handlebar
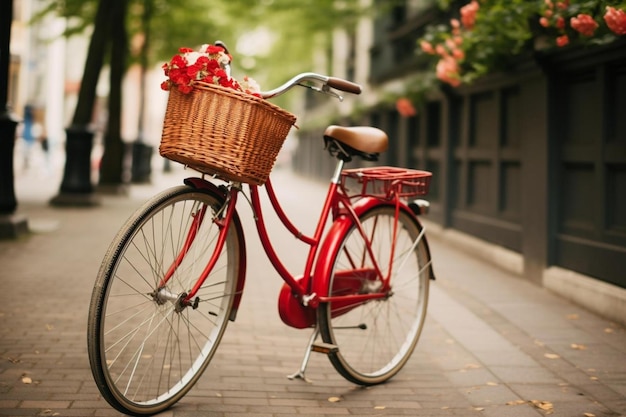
x: 326, y: 81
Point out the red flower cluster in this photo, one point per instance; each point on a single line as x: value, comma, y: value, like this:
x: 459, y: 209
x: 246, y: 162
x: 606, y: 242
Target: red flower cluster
x: 207, y: 65
x: 615, y: 20
x: 405, y: 107
x: 557, y: 15
x: 451, y: 52
x: 468, y: 14
x: 584, y: 24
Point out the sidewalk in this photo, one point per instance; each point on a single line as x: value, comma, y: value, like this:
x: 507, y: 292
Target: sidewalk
x: 493, y: 345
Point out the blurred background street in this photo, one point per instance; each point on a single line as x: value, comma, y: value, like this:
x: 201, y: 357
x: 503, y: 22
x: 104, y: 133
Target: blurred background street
x: 493, y: 345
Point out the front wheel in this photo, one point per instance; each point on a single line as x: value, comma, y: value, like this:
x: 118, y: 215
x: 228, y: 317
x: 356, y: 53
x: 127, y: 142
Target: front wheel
x: 147, y: 348
x: 376, y: 338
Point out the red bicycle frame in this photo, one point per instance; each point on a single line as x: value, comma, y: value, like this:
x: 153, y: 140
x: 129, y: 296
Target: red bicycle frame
x: 312, y: 286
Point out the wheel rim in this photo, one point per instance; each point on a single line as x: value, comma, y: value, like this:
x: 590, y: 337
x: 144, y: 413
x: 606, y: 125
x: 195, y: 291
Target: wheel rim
x: 152, y: 350
x: 376, y: 338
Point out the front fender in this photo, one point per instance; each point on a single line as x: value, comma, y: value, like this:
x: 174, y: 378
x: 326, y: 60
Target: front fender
x: 220, y: 193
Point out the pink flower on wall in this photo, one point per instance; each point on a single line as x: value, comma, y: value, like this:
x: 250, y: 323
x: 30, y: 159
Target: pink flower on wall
x: 405, y: 107
x: 562, y: 40
x: 488, y: 32
x: 468, y: 14
x: 427, y: 47
x: 448, y: 71
x: 584, y: 24
x: 616, y: 20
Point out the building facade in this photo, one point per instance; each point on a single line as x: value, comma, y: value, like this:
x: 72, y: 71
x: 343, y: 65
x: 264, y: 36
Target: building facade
x: 529, y: 166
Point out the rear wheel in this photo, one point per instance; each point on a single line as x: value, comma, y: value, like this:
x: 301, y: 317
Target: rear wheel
x: 376, y: 338
x: 146, y: 348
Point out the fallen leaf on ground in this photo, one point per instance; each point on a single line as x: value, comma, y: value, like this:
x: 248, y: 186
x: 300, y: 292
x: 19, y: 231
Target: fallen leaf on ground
x: 26, y: 380
x: 516, y: 402
x: 492, y: 384
x: 578, y: 347
x: 543, y: 405
x: 380, y: 407
x: 589, y: 415
x: 49, y: 412
x: 551, y: 356
x: 334, y: 399
x: 479, y: 408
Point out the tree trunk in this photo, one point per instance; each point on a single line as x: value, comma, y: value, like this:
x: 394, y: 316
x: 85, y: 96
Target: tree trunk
x: 112, y: 170
x: 76, y: 186
x: 142, y: 152
x: 8, y: 123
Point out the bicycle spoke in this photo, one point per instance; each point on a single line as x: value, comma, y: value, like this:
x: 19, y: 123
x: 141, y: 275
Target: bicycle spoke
x: 376, y: 337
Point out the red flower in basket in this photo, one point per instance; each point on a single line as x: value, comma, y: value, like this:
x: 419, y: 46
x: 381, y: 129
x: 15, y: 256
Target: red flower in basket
x: 209, y: 65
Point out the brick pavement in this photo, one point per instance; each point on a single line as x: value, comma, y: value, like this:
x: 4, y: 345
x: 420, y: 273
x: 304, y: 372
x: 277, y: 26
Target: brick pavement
x: 492, y: 344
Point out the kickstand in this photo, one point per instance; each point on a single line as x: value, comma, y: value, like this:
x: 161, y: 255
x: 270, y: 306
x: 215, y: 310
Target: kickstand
x: 305, y: 360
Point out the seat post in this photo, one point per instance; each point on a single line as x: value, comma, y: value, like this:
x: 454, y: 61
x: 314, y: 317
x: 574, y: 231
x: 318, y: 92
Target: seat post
x: 337, y: 175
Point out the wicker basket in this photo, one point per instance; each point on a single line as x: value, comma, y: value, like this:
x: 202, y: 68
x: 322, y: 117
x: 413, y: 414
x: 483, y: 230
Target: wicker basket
x: 385, y: 182
x: 223, y: 132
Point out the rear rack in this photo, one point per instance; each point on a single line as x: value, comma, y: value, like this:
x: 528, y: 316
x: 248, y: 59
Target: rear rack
x: 385, y: 182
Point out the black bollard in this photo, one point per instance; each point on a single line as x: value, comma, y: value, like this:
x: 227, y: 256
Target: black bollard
x: 8, y: 203
x: 142, y: 162
x: 12, y: 225
x: 76, y: 186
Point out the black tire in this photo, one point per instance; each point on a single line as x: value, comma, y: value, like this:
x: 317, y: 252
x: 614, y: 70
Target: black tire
x: 376, y: 338
x: 145, y: 351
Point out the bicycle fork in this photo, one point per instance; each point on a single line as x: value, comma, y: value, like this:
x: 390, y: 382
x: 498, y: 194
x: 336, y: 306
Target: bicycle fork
x: 184, y: 300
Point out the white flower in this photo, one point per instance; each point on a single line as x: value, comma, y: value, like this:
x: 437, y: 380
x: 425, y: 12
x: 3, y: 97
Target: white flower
x: 250, y: 85
x: 223, y: 59
x: 192, y: 57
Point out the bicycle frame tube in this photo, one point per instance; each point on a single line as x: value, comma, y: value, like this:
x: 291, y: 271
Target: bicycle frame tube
x: 300, y: 288
x: 198, y: 218
x: 340, y: 206
x: 323, y: 269
x: 354, y: 216
x: 219, y: 246
x: 197, y: 221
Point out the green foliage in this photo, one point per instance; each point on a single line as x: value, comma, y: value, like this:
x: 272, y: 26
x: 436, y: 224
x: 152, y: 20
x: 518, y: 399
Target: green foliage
x: 504, y: 30
x: 177, y: 23
x: 300, y: 27
x: 191, y: 23
x: 80, y: 14
x: 501, y: 33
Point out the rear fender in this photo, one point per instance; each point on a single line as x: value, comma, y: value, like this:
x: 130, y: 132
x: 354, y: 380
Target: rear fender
x: 220, y: 193
x: 330, y: 245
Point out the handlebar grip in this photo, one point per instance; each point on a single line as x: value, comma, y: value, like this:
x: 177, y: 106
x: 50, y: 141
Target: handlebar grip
x: 344, y: 85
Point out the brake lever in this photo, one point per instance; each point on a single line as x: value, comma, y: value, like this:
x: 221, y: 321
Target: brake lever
x: 324, y: 90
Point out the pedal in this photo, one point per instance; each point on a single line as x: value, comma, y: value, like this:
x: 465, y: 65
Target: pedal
x: 327, y: 348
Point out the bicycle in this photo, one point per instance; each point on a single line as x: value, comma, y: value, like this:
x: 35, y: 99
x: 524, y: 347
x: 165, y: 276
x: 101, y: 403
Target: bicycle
x: 174, y: 275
